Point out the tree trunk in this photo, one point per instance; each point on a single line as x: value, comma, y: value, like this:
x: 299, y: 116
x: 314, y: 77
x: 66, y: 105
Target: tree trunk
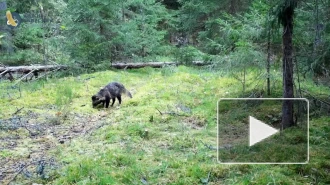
x: 287, y: 107
x: 268, y: 49
x: 268, y: 62
x: 233, y: 4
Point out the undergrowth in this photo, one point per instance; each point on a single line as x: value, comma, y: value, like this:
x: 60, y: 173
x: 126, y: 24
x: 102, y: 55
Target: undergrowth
x: 163, y: 135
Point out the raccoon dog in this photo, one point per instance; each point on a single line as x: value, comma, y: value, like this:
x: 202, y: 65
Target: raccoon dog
x: 112, y: 91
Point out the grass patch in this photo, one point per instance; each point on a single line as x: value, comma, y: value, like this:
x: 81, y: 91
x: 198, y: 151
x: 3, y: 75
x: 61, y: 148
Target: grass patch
x: 165, y: 133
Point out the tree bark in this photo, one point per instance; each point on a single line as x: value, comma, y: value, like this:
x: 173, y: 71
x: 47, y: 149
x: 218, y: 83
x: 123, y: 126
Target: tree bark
x: 151, y: 64
x: 268, y: 62
x: 140, y: 65
x: 287, y: 106
x: 233, y: 4
x: 27, y: 69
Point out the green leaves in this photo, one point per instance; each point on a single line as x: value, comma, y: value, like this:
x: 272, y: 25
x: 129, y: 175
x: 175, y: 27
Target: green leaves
x: 29, y: 35
x: 115, y: 30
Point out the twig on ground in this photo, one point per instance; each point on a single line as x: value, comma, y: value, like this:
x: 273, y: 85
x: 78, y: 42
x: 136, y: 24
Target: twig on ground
x: 159, y: 112
x: 22, y: 168
x: 18, y: 110
x: 170, y: 113
x: 208, y: 146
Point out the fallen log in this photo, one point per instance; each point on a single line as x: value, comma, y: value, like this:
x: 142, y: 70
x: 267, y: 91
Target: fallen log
x: 140, y: 65
x: 201, y: 63
x: 32, y: 71
x: 121, y: 65
x: 27, y: 69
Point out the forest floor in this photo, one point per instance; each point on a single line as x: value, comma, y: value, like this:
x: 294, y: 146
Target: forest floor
x: 165, y: 134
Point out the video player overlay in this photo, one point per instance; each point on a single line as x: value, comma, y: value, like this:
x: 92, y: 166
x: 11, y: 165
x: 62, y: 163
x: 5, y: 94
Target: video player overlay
x: 250, y: 132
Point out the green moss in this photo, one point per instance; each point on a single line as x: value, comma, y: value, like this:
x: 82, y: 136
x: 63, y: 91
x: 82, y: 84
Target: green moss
x: 5, y: 153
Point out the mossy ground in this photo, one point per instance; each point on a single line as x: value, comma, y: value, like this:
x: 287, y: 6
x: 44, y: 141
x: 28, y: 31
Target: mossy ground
x: 160, y: 136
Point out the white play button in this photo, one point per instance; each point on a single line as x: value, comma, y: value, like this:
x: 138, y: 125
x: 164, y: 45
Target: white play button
x: 259, y: 131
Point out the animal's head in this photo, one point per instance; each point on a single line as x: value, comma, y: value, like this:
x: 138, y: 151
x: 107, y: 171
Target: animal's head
x: 96, y: 99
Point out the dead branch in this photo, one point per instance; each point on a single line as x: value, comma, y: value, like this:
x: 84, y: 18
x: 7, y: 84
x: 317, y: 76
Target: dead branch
x: 315, y: 97
x: 20, y: 170
x: 159, y: 112
x: 11, y: 78
x: 201, y: 63
x: 210, y: 147
x: 27, y: 69
x: 140, y: 65
x: 48, y: 72
x: 4, y: 72
x: 172, y: 113
x: 123, y: 65
x: 18, y: 110
x: 26, y: 75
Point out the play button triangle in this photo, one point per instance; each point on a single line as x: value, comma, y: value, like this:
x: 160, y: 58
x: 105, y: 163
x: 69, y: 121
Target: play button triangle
x: 259, y: 131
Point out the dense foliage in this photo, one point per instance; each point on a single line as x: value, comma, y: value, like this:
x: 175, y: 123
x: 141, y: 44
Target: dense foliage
x: 90, y: 34
x: 166, y: 133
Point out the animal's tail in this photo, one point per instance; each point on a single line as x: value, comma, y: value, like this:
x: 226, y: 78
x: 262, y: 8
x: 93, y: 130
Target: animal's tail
x: 123, y: 89
x: 128, y: 93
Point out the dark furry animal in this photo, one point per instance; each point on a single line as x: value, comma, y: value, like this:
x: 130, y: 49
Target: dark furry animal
x: 103, y: 96
x: 112, y: 91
